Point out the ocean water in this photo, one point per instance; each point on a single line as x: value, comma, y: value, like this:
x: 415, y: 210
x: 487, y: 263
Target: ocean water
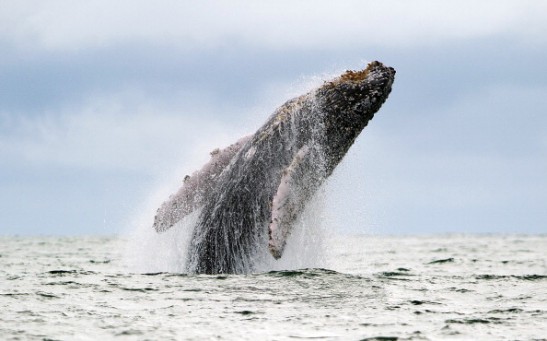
x: 445, y: 287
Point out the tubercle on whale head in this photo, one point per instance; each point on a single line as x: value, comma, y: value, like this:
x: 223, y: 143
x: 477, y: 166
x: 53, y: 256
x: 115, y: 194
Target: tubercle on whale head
x: 349, y: 102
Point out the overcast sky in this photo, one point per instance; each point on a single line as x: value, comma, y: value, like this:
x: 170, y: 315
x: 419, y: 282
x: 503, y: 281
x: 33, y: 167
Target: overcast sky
x: 106, y: 105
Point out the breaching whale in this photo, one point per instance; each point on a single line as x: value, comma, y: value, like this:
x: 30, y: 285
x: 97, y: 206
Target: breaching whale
x: 249, y: 195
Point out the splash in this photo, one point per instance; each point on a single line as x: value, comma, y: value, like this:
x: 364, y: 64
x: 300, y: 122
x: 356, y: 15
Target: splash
x: 150, y: 252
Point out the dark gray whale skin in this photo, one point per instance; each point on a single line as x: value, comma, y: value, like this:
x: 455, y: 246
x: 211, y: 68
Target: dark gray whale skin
x: 265, y: 180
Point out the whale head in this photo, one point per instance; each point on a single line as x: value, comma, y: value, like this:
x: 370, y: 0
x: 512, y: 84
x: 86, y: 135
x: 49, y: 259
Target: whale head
x: 349, y: 102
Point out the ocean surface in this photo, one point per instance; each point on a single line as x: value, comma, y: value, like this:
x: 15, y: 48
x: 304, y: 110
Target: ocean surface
x: 444, y: 287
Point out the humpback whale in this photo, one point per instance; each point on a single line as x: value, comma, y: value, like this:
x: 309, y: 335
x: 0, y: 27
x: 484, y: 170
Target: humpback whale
x: 250, y: 194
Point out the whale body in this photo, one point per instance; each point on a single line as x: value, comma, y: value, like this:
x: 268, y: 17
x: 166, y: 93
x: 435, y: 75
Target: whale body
x: 250, y: 194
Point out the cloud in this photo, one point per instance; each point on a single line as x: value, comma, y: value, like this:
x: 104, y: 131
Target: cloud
x: 120, y: 132
x: 97, y: 96
x: 69, y: 25
x: 89, y: 166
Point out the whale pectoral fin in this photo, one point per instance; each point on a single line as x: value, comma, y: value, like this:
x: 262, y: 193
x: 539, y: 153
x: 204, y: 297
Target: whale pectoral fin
x: 298, y: 182
x: 196, y: 188
x: 179, y: 205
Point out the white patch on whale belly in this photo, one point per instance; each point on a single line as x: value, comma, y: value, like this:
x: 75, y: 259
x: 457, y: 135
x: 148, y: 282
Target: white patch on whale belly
x: 285, y: 205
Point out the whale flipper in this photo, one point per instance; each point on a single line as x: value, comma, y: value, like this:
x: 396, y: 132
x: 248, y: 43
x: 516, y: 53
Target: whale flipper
x: 297, y: 185
x: 196, y: 188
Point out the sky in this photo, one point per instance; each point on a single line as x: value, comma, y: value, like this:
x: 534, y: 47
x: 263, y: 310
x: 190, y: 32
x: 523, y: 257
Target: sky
x: 105, y: 106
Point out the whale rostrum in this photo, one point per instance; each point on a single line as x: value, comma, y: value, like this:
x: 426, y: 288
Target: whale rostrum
x: 250, y: 194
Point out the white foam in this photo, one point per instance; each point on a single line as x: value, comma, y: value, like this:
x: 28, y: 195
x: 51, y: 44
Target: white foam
x: 148, y: 251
